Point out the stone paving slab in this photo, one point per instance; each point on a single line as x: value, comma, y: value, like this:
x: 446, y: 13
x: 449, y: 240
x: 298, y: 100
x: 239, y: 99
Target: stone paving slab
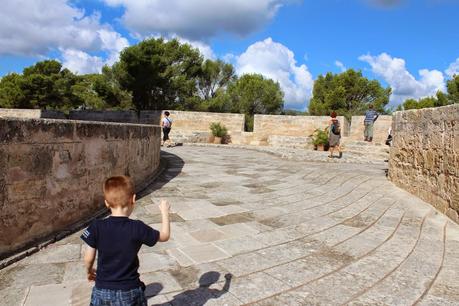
x: 289, y: 232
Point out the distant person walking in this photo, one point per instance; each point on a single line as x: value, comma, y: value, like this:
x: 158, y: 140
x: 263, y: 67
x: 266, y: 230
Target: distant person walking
x: 334, y: 135
x: 370, y: 117
x: 166, y: 124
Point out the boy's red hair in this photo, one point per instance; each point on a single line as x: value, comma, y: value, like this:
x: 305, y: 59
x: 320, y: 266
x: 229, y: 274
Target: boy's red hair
x: 118, y: 191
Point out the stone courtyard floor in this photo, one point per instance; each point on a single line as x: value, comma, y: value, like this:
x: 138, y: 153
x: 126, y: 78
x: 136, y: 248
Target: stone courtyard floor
x: 289, y: 233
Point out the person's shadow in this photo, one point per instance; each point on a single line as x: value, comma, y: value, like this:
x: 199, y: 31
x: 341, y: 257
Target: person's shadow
x: 202, y: 294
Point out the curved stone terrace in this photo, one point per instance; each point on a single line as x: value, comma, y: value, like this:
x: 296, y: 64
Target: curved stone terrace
x: 289, y: 233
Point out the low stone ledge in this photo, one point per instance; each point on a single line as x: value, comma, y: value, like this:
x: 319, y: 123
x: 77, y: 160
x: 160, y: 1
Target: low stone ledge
x: 298, y: 154
x: 31, y: 113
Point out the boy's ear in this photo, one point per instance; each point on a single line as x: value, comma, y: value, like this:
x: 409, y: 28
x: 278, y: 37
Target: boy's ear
x: 106, y: 204
x: 133, y: 199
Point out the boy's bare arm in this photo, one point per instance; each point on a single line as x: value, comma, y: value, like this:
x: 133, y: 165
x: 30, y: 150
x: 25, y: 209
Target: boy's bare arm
x: 165, y: 232
x: 89, y: 258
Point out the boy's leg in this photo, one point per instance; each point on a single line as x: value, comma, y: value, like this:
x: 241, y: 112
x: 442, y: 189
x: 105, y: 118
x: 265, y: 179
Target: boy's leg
x: 166, y: 135
x: 340, y: 151
x: 365, y: 133
x: 370, y: 132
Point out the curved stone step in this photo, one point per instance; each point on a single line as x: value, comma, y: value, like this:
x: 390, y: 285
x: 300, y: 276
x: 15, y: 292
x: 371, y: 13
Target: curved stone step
x: 405, y: 283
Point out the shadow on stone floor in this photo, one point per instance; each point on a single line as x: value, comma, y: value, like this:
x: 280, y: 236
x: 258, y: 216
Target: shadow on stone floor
x: 173, y: 167
x: 195, y: 297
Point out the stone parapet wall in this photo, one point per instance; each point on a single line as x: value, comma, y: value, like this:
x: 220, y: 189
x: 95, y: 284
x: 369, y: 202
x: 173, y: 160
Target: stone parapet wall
x: 380, y: 128
x: 200, y: 121
x: 183, y: 120
x: 150, y: 117
x: 31, y: 113
x: 51, y: 172
x: 424, y: 157
x: 303, y: 126
x: 105, y: 116
x: 194, y: 126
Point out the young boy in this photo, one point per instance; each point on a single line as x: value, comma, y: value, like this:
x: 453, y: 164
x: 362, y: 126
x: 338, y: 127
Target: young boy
x: 117, y: 239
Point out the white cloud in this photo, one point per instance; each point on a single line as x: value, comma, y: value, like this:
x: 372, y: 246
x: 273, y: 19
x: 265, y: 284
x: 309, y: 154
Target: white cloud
x: 277, y: 62
x: 37, y: 27
x: 340, y: 65
x: 81, y: 62
x: 114, y: 43
x: 453, y: 69
x: 197, y: 20
x: 204, y: 48
x: 230, y: 58
x: 404, y: 84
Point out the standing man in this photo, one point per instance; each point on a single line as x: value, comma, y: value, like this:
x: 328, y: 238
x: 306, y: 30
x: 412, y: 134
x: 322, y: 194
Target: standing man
x: 166, y: 124
x: 370, y: 117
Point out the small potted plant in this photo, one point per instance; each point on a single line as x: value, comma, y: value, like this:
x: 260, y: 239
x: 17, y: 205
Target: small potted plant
x: 218, y: 131
x: 320, y: 139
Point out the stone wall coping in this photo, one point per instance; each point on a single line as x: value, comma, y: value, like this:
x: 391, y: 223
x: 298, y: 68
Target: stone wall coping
x: 197, y: 113
x: 292, y: 116
x: 83, y: 122
x: 427, y: 109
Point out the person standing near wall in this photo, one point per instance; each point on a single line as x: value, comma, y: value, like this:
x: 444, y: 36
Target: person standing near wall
x: 334, y: 135
x: 166, y: 124
x: 370, y: 117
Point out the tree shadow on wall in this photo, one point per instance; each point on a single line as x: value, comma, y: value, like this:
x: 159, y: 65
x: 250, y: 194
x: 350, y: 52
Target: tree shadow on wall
x: 194, y: 297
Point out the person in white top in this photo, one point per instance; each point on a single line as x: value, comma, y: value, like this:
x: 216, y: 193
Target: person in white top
x: 166, y: 124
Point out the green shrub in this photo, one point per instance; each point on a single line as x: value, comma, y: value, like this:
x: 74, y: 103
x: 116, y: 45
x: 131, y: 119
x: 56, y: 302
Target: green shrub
x: 320, y: 137
x: 218, y: 130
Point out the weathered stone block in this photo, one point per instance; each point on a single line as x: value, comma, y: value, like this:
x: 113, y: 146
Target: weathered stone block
x: 424, y: 157
x: 299, y: 126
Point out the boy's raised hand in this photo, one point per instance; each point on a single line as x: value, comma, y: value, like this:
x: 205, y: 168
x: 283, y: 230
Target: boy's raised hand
x: 164, y: 206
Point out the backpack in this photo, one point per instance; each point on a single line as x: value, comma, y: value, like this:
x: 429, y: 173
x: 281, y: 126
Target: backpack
x: 335, y: 128
x: 170, y: 122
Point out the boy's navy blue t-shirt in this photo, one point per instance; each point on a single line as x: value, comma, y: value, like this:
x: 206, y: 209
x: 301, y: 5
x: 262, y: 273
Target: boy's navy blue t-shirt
x: 117, y: 241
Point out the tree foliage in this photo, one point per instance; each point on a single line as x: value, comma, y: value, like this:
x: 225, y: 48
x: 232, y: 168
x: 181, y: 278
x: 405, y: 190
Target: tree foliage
x: 424, y: 102
x: 47, y: 85
x: 440, y: 99
x: 160, y: 74
x: 452, y: 87
x: 43, y: 85
x: 215, y: 76
x: 253, y: 94
x: 11, y: 95
x: 348, y: 93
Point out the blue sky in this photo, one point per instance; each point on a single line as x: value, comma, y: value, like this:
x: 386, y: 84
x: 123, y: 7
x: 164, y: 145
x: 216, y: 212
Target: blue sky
x: 412, y: 46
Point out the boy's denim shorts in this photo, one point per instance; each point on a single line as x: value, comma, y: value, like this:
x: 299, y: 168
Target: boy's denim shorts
x: 109, y: 297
